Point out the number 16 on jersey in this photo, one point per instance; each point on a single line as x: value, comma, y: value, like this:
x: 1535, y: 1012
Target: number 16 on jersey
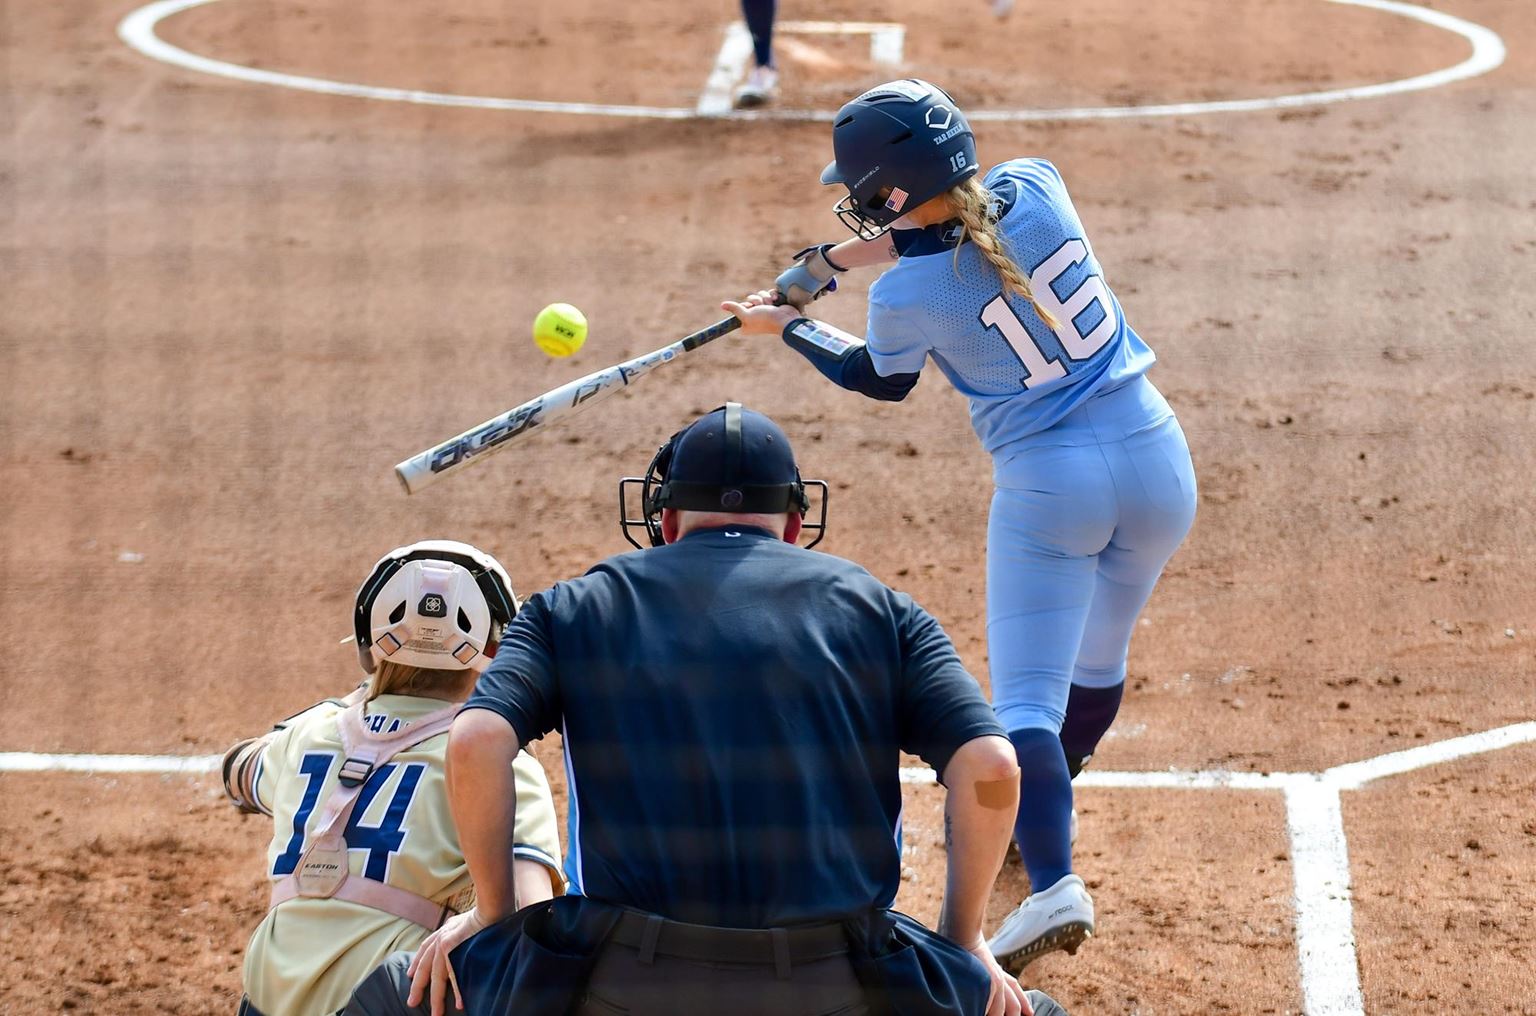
x: 1077, y: 345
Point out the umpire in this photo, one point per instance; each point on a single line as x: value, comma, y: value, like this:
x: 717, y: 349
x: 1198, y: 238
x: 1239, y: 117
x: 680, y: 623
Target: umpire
x: 733, y: 709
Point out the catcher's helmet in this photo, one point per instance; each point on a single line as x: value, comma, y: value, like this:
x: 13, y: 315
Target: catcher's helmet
x: 896, y: 146
x: 729, y: 460
x: 435, y: 604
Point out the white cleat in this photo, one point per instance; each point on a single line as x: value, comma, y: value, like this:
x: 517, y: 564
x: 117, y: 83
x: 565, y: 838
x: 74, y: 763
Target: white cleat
x: 1061, y: 917
x: 1072, y: 828
x: 761, y: 86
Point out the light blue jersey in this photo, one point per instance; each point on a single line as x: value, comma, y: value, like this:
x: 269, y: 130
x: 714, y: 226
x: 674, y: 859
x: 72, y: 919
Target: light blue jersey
x: 1020, y: 376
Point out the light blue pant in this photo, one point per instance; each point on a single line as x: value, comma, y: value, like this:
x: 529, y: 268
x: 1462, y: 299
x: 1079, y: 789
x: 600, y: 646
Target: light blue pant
x: 1084, y: 518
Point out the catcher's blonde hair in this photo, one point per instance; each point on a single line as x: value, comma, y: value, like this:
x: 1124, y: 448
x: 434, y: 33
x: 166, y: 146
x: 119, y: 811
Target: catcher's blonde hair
x: 399, y: 679
x: 973, y: 205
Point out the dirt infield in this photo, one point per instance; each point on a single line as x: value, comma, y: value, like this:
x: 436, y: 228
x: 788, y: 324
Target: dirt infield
x: 227, y: 309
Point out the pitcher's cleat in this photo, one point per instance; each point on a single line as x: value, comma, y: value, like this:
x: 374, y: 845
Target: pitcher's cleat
x: 759, y: 89
x: 1061, y: 918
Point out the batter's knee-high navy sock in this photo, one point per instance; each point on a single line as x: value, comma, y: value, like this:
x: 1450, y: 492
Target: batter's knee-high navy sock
x: 758, y: 14
x: 1090, y: 711
x: 1045, y: 808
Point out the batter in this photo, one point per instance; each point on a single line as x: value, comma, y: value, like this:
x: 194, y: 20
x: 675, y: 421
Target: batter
x: 996, y: 283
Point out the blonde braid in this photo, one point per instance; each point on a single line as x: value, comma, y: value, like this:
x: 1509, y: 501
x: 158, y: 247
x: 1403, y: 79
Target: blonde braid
x: 390, y: 678
x: 401, y: 679
x: 973, y: 204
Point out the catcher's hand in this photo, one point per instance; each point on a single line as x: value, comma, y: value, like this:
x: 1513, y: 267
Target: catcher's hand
x: 812, y: 274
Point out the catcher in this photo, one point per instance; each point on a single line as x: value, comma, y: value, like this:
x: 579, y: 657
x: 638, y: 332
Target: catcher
x: 365, y: 860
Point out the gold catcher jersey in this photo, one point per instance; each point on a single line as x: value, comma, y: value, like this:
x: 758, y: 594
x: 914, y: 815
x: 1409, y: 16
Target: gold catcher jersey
x: 308, y: 955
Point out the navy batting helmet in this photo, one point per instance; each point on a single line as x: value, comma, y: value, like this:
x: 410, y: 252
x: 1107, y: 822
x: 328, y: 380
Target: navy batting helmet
x: 896, y: 146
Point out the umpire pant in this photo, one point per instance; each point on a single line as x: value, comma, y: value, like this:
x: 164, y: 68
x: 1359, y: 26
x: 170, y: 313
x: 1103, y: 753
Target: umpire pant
x: 662, y: 985
x: 383, y: 992
x: 625, y: 982
x: 620, y: 984
x: 654, y: 967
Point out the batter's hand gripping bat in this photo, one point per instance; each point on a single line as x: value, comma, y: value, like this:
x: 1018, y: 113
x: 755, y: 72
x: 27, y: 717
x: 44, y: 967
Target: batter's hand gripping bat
x: 426, y: 468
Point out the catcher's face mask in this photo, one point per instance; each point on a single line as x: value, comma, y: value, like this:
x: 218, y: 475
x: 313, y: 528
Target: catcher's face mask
x: 729, y: 460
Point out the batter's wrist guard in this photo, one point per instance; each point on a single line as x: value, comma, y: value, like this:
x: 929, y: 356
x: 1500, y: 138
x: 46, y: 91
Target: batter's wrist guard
x: 821, y: 254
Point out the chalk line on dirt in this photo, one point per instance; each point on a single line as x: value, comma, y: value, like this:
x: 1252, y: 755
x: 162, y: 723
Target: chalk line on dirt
x: 1488, y: 52
x: 35, y: 762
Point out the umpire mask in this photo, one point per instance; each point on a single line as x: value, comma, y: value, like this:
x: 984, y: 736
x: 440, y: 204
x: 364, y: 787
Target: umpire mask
x: 730, y: 460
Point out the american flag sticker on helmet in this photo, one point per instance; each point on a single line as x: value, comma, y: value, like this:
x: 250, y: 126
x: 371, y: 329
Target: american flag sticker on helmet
x: 897, y: 200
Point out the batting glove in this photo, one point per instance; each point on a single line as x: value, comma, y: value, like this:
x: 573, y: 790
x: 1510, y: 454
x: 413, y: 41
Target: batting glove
x: 812, y: 274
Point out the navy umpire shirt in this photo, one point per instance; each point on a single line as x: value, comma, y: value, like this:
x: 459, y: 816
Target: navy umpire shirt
x: 733, y: 708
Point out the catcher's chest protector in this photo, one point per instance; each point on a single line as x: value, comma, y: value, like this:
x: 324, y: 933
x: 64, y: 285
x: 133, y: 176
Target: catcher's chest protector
x: 323, y: 870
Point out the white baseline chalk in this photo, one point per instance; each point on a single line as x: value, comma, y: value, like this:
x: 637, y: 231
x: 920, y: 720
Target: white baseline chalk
x: 835, y: 27
x: 1325, y: 930
x: 34, y: 762
x: 137, y: 30
x: 886, y: 38
x: 1354, y: 775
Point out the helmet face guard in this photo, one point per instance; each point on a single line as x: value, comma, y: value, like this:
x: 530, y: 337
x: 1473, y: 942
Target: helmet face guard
x: 863, y: 226
x: 657, y: 493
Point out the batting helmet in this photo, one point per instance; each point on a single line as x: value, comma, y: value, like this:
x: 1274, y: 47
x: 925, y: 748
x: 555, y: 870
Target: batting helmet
x: 894, y: 147
x: 436, y: 604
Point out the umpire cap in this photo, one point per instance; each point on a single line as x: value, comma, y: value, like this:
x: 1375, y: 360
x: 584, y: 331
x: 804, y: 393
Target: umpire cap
x: 731, y: 459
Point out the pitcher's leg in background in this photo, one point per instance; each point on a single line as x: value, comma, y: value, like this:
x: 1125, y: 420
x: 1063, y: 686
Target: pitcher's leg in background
x: 763, y: 79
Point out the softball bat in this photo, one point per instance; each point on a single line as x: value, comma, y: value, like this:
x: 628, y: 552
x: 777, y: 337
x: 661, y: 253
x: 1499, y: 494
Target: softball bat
x: 505, y: 429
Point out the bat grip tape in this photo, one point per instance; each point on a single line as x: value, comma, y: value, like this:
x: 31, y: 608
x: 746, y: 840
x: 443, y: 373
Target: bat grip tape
x: 704, y: 335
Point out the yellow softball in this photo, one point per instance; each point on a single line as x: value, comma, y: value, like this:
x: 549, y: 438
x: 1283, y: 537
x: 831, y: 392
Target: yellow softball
x: 560, y: 329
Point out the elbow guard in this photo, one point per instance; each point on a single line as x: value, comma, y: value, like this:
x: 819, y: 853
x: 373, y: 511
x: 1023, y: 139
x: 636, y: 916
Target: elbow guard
x: 239, y: 768
x: 821, y: 343
x: 844, y: 360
